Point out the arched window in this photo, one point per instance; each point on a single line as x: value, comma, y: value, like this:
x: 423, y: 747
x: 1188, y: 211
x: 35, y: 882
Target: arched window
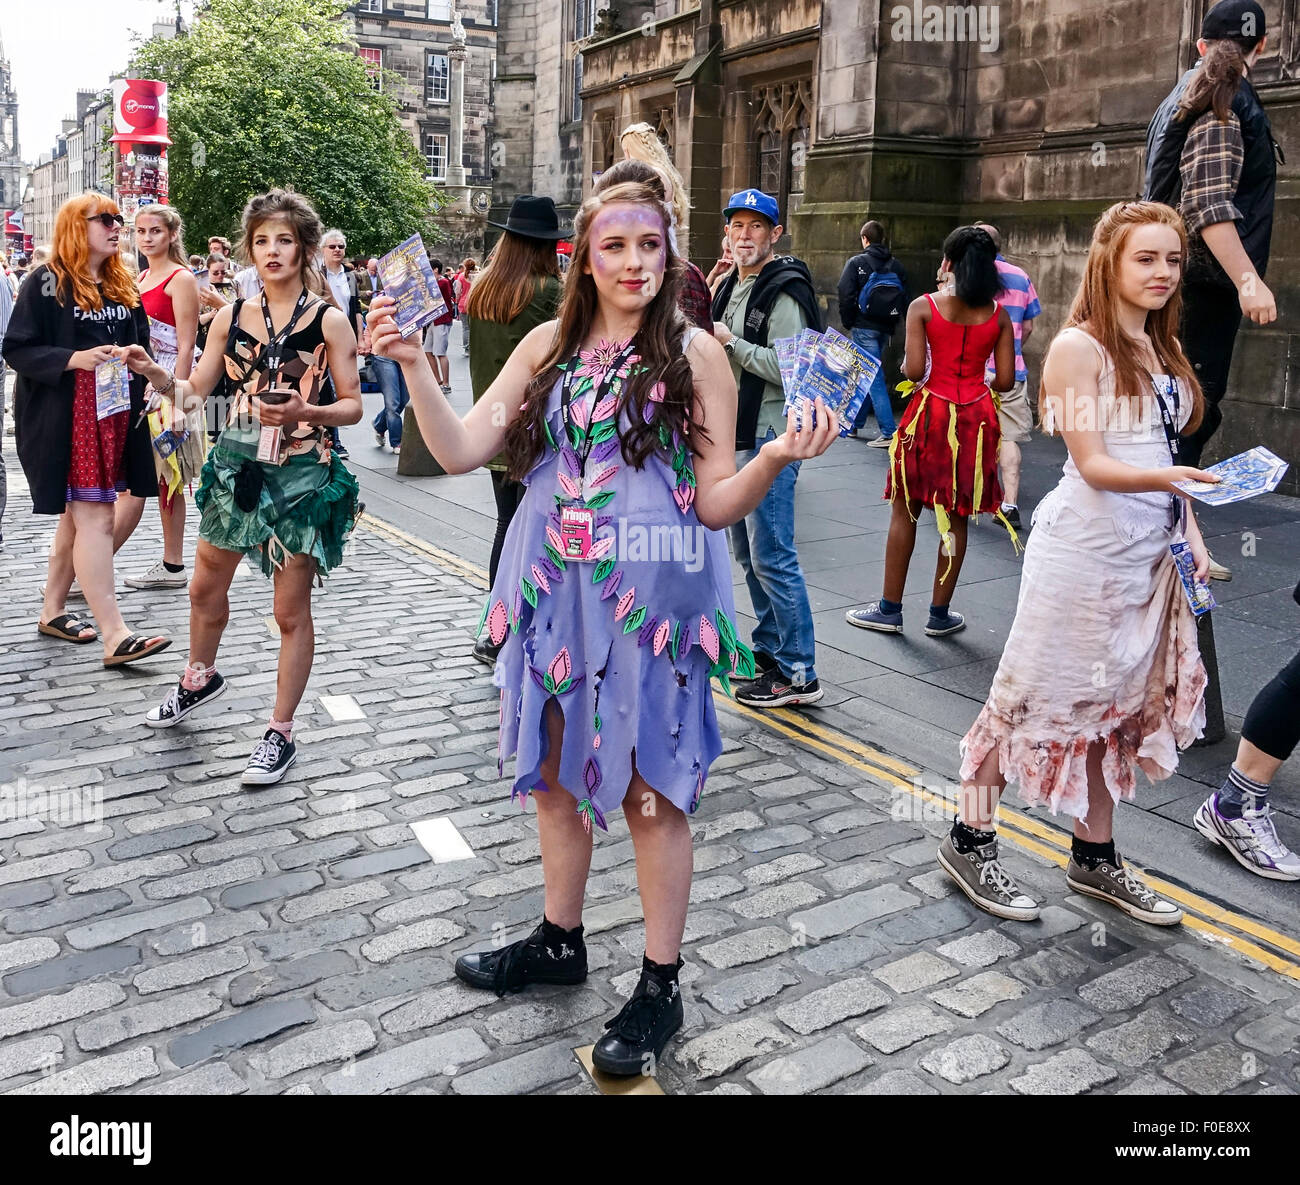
x: 782, y: 135
x: 664, y: 122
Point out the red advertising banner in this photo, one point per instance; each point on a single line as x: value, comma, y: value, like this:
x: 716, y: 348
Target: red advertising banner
x: 139, y: 111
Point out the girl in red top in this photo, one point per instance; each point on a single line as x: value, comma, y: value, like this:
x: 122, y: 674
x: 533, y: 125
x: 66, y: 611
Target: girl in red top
x: 945, y: 452
x: 169, y: 293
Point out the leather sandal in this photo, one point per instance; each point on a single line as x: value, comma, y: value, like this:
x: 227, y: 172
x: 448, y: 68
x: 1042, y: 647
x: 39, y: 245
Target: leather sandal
x: 68, y: 627
x: 133, y: 648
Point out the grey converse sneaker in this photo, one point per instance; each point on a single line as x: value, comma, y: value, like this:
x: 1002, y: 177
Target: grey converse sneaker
x: 1251, y: 839
x: 1116, y: 884
x: 983, y: 879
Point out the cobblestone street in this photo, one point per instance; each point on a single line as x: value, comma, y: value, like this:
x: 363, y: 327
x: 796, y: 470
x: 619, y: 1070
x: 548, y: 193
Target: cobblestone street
x: 300, y: 939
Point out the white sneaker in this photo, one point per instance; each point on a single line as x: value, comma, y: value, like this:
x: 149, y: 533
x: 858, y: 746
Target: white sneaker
x: 380, y: 439
x: 159, y: 577
x: 1252, y: 840
x: 1219, y: 571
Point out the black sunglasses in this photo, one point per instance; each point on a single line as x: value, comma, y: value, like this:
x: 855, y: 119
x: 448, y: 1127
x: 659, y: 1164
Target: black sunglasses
x: 107, y: 220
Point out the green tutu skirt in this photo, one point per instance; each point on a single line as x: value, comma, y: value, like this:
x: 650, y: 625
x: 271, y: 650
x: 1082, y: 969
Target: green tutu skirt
x: 304, y: 507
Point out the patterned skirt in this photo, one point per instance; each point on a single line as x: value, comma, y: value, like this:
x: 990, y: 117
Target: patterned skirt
x: 307, y: 506
x: 97, y: 470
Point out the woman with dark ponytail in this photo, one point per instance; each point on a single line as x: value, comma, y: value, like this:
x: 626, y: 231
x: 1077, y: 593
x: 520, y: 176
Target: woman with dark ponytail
x: 945, y: 452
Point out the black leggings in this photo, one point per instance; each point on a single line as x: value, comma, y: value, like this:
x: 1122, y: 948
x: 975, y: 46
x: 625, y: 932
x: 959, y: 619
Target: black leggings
x: 1211, y: 317
x: 509, y: 494
x: 1273, y: 722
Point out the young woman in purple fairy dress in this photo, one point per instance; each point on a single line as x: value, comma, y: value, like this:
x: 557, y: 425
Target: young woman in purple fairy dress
x: 613, y: 595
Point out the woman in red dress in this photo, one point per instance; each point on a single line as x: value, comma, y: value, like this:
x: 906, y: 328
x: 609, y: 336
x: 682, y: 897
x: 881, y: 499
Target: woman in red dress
x: 78, y: 418
x: 945, y: 452
x: 169, y: 293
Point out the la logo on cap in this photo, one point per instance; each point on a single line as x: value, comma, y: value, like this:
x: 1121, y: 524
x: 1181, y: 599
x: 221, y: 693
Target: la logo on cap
x: 750, y: 199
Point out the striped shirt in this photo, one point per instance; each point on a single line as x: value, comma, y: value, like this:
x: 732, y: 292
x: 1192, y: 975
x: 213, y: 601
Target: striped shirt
x: 1020, y: 300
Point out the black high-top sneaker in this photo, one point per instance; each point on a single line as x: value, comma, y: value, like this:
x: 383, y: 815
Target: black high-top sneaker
x: 637, y: 1035
x: 530, y: 960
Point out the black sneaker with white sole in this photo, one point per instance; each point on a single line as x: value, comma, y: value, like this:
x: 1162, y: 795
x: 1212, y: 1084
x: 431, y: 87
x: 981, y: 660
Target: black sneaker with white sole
x: 271, y: 759
x: 773, y: 690
x: 636, y: 1037
x: 179, y: 703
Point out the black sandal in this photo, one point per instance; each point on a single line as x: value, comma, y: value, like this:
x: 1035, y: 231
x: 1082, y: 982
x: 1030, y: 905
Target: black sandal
x: 68, y: 627
x: 133, y: 648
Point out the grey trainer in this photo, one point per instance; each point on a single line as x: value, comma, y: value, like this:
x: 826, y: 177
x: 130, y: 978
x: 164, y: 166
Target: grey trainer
x: 983, y: 879
x: 1117, y: 884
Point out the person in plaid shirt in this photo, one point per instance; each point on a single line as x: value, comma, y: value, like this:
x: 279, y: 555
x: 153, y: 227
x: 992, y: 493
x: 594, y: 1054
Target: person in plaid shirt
x: 1211, y: 154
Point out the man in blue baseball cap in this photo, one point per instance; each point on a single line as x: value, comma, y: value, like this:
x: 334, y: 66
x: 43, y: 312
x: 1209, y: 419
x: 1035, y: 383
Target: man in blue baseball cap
x: 767, y: 297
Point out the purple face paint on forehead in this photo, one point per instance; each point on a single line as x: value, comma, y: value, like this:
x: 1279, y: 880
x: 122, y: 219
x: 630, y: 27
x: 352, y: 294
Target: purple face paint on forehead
x: 624, y: 215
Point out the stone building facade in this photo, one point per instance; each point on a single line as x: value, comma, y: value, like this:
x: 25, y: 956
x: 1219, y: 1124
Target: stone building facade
x: 538, y: 143
x: 1030, y: 114
x: 11, y: 165
x: 409, y: 41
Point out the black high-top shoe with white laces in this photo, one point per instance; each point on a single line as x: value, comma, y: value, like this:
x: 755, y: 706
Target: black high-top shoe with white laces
x: 271, y: 759
x: 637, y: 1036
x: 530, y: 960
x: 179, y: 703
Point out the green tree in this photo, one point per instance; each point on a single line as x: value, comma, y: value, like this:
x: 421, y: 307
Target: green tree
x: 266, y: 93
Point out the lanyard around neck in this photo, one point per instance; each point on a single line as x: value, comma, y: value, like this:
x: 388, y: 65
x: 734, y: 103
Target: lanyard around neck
x: 1178, y: 506
x: 600, y: 389
x: 275, y: 341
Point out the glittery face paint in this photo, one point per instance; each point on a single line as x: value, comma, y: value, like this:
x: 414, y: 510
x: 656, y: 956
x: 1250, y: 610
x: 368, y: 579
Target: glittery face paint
x: 628, y: 252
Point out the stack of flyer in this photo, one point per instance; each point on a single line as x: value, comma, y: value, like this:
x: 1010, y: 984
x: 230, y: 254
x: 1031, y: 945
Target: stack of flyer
x: 409, y: 280
x: 1246, y: 475
x: 826, y: 365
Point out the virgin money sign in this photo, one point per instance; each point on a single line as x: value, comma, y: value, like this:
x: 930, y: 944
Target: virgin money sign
x: 139, y: 111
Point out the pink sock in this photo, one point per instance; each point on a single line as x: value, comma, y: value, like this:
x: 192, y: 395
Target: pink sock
x: 197, y: 676
x: 283, y: 727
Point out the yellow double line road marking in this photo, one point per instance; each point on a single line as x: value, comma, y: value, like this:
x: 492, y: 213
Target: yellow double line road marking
x: 1042, y: 839
x: 472, y: 572
x: 1281, y: 954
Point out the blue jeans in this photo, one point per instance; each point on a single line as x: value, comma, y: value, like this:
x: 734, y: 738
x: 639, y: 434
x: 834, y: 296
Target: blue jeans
x: 392, y: 382
x: 876, y: 343
x: 763, y: 542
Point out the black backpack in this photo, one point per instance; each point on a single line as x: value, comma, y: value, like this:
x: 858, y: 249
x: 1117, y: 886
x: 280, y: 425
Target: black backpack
x: 881, y: 298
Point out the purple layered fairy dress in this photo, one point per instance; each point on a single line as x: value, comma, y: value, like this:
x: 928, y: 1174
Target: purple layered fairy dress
x: 626, y: 641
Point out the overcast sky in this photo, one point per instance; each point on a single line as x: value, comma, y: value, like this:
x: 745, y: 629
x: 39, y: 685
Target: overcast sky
x: 57, y: 47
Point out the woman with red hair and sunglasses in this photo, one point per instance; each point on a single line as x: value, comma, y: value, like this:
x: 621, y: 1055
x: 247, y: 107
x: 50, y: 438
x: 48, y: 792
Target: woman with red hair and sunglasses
x: 79, y: 423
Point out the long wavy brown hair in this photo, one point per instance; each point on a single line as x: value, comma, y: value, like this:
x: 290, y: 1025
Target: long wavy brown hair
x: 70, y: 257
x: 658, y: 342
x: 1095, y: 306
x: 512, y: 278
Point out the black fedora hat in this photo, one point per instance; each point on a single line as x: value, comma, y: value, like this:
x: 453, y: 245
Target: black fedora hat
x: 534, y: 218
